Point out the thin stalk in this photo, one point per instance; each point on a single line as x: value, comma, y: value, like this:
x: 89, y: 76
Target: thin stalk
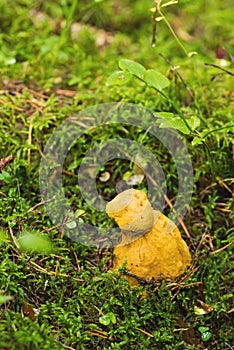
x: 214, y: 130
x: 172, y: 30
x: 176, y: 108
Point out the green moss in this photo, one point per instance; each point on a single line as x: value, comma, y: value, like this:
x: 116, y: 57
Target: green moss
x: 55, y: 301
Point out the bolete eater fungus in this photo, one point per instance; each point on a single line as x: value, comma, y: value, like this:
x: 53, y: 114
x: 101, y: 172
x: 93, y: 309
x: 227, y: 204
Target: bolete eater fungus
x: 151, y: 246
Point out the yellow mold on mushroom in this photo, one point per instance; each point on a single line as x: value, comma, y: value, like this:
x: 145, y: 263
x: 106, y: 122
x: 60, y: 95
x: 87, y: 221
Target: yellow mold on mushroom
x: 151, y: 245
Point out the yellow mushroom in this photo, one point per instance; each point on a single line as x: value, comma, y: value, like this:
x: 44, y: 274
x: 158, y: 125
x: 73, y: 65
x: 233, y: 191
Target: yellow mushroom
x: 151, y: 245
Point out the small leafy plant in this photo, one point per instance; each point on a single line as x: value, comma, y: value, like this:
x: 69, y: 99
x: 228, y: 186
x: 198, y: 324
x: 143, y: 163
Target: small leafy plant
x: 205, y: 333
x: 158, y: 82
x: 107, y: 319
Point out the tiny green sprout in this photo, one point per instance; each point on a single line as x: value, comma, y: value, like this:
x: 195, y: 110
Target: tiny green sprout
x: 107, y: 319
x: 205, y: 333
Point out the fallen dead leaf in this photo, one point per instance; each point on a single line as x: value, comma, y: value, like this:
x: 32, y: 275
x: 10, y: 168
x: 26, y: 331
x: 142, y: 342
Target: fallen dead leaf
x: 5, y: 161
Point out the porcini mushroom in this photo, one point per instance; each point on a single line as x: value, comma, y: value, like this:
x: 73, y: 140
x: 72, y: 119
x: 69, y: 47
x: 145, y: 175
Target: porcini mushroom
x: 151, y: 246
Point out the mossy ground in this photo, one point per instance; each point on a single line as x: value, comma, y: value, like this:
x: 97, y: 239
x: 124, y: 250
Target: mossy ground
x: 50, y: 72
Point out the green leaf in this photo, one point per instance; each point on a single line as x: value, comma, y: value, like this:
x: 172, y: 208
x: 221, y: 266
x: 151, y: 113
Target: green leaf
x: 193, y: 122
x: 107, y: 319
x: 168, y: 120
x: 5, y: 176
x: 205, y: 334
x: 155, y: 79
x: 166, y: 115
x: 196, y: 140
x: 112, y: 317
x: 132, y: 67
x: 175, y: 123
x: 203, y: 329
x: 74, y: 81
x: 35, y: 242
x: 118, y: 78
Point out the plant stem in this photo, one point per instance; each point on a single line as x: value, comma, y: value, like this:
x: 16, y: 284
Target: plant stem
x: 172, y: 30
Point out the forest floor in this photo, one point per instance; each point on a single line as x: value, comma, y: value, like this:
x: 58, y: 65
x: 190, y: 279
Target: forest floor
x: 57, y: 61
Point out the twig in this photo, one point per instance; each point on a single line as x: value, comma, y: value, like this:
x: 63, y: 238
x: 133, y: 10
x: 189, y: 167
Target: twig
x: 145, y: 332
x: 190, y: 273
x: 223, y: 248
x: 99, y: 310
x: 76, y: 258
x: 30, y: 138
x: 41, y: 203
x: 141, y: 279
x: 179, y: 75
x: 67, y: 93
x: 14, y: 240
x: 36, y: 93
x: 221, y: 183
x: 5, y: 161
x: 52, y: 273
x: 230, y: 311
x: 180, y: 329
x: 97, y: 334
x: 179, y: 287
x: 68, y: 347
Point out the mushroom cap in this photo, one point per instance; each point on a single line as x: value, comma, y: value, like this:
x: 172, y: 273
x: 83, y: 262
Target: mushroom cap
x: 132, y: 212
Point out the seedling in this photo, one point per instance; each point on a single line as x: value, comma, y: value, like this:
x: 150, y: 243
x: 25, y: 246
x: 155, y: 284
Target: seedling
x: 205, y: 333
x: 158, y: 82
x: 107, y: 319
